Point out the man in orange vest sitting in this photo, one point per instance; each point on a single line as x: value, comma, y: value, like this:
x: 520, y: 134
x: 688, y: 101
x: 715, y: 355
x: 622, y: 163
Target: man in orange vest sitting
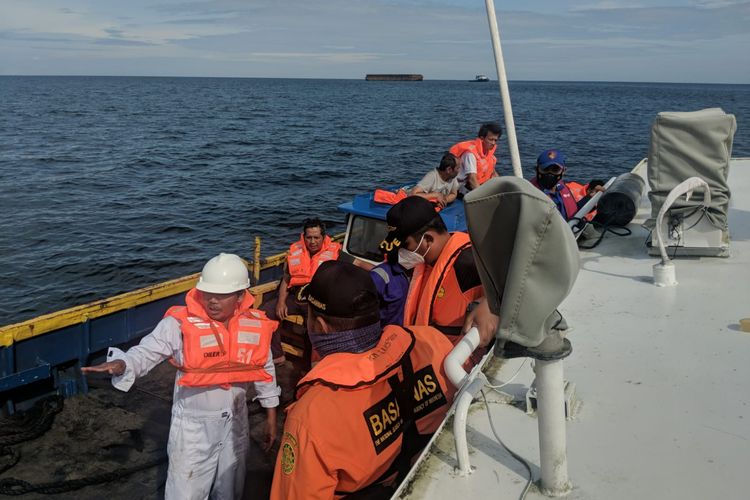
x: 477, y: 157
x: 219, y: 345
x: 568, y: 196
x: 445, y: 280
x: 305, y: 256
x: 369, y: 406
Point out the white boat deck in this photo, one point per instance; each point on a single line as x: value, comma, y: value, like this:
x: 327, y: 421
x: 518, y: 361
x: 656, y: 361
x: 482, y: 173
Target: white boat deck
x: 662, y: 376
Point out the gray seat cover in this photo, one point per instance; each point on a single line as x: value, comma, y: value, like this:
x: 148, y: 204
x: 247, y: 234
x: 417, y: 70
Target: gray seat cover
x: 687, y: 144
x: 526, y: 256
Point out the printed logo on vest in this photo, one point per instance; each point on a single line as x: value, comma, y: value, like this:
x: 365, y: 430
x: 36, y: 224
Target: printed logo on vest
x: 384, y: 422
x: 428, y: 395
x: 289, y: 450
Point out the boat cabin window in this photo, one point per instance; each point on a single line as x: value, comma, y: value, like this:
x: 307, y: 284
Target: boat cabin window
x: 365, y: 235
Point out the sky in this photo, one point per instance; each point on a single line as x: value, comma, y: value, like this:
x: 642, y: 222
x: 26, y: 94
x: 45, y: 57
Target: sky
x: 697, y: 41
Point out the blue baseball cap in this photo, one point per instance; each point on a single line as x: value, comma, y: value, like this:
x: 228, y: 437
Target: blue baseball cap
x: 551, y: 157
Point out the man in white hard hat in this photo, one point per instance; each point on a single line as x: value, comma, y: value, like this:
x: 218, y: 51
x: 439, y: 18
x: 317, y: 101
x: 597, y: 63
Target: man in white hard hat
x: 219, y: 345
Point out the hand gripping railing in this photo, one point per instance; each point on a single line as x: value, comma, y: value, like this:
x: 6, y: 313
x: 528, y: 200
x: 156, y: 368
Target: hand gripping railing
x: 664, y: 271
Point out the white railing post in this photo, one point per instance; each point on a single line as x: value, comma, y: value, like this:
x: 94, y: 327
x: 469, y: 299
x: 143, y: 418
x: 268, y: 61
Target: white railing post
x: 550, y: 389
x: 502, y: 79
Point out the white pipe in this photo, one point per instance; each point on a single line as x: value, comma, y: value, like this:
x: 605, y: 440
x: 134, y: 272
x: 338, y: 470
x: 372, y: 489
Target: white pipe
x: 459, y: 423
x: 550, y: 389
x: 665, y: 274
x: 686, y: 187
x: 502, y: 79
x: 457, y: 357
x: 589, y: 205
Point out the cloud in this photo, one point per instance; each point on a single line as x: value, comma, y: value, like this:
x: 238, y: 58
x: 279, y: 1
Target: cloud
x: 346, y: 38
x: 607, y: 5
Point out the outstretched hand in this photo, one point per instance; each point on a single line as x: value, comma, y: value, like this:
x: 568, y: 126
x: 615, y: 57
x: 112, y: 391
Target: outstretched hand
x: 116, y: 367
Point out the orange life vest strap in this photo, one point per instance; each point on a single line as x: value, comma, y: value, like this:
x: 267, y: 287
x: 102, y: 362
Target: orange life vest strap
x: 422, y: 291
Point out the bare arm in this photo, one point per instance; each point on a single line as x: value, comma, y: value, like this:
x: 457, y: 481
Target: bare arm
x: 451, y: 197
x: 281, y: 309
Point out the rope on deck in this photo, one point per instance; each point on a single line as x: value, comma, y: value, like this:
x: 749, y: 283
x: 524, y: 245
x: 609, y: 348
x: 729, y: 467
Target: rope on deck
x: 32, y: 424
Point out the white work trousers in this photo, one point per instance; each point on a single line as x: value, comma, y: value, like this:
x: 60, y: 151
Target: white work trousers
x: 207, y: 454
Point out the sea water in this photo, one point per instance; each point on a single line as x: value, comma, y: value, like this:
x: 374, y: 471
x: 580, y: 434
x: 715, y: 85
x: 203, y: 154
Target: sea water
x: 108, y: 184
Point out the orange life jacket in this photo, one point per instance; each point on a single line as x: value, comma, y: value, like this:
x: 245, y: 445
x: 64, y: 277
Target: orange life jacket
x: 359, y: 392
x: 215, y: 355
x: 485, y: 163
x: 301, y: 266
x: 389, y: 197
x: 578, y: 191
x: 435, y: 297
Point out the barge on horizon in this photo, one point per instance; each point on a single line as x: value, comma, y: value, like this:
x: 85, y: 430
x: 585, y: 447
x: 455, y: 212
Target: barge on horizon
x: 394, y: 78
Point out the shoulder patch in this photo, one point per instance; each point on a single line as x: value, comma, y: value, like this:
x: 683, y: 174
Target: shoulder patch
x: 289, y: 452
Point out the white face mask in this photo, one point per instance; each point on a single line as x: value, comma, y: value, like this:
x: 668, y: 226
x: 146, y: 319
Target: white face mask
x: 408, y: 259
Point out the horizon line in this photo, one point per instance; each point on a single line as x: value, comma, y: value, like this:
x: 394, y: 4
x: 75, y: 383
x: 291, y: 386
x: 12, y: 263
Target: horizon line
x: 363, y: 79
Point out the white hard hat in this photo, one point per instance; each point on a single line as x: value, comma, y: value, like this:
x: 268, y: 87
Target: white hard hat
x: 224, y: 273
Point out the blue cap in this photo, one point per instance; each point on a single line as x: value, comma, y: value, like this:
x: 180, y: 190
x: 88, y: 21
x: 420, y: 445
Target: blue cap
x: 549, y: 158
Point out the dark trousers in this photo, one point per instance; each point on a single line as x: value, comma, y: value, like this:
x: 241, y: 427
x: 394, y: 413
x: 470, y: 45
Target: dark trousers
x: 292, y: 307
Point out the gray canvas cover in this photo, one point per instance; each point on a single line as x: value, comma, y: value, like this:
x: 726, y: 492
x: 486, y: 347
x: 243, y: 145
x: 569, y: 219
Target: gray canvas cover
x: 526, y: 255
x: 688, y: 144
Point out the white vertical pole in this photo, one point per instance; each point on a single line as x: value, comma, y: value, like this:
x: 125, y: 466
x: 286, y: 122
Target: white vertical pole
x: 510, y: 126
x: 551, y: 415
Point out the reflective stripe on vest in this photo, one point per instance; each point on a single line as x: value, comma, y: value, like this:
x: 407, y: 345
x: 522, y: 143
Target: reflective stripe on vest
x: 301, y: 266
x: 436, y: 299
x: 214, y: 355
x: 383, y: 274
x: 485, y: 163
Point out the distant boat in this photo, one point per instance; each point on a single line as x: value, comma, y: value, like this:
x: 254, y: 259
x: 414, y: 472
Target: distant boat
x: 480, y: 78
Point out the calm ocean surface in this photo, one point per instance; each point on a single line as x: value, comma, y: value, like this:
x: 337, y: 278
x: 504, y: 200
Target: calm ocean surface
x: 111, y: 184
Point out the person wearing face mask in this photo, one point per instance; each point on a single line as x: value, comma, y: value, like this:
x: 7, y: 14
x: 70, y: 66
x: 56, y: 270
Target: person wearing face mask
x: 445, y: 280
x: 371, y: 403
x: 568, y: 196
